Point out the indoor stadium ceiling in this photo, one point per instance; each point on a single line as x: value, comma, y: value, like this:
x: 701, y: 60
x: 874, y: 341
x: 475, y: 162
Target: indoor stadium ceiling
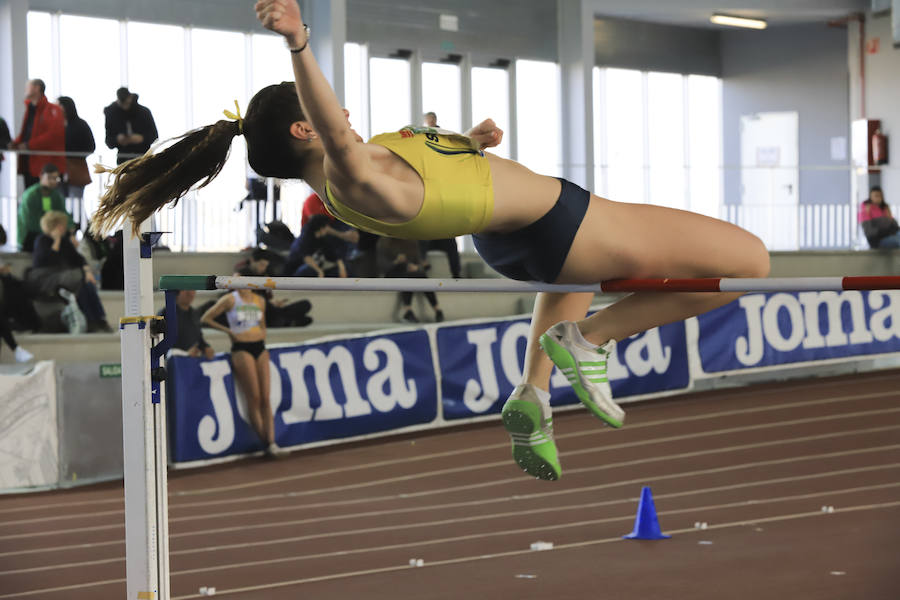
x: 696, y: 13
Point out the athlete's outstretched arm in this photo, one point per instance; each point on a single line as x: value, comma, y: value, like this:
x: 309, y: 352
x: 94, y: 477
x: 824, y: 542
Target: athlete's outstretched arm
x: 318, y: 100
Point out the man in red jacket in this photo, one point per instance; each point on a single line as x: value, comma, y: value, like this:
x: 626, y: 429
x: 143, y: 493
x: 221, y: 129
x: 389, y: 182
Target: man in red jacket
x: 43, y: 128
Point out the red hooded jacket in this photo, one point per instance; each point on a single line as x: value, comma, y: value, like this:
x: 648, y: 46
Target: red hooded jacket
x: 47, y: 133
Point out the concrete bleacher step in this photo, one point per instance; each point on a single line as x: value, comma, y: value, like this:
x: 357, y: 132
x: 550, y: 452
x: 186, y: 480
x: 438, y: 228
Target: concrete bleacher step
x: 361, y: 307
x: 104, y: 347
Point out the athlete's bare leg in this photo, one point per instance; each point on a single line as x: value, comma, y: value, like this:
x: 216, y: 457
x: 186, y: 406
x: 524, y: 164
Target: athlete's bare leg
x: 550, y: 309
x: 619, y: 240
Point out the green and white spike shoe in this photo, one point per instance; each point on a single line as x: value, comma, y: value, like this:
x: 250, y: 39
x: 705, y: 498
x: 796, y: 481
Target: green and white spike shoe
x: 585, y: 368
x: 531, y: 432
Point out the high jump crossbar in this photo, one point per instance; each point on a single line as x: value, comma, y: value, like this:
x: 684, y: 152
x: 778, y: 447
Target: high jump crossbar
x: 774, y: 284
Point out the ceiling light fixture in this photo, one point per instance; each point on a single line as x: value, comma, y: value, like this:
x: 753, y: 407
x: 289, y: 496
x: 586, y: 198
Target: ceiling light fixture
x: 738, y: 21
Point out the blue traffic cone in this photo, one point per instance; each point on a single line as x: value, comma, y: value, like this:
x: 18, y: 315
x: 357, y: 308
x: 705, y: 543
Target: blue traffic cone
x: 646, y: 524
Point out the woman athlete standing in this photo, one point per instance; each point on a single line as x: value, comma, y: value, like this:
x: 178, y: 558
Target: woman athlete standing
x: 423, y: 184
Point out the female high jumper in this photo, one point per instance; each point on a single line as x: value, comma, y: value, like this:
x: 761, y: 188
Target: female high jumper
x: 425, y: 184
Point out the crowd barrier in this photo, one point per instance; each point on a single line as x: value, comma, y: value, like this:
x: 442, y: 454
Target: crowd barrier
x: 358, y: 386
x: 61, y: 425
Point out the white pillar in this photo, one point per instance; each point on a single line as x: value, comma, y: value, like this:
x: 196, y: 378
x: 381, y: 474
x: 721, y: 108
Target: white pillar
x: 13, y: 74
x: 575, y: 34
x: 327, y: 20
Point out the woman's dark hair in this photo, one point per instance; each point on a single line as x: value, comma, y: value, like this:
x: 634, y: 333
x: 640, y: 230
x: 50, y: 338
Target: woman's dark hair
x: 267, y: 129
x: 68, y: 106
x: 143, y: 185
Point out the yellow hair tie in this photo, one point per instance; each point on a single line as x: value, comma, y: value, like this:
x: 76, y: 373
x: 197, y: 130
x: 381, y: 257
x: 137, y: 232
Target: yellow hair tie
x: 237, y: 117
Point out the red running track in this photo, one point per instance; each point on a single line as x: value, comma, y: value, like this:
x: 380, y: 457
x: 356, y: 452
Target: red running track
x: 757, y: 464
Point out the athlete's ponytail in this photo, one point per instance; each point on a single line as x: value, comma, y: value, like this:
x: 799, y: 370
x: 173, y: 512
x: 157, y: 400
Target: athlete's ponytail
x: 143, y: 185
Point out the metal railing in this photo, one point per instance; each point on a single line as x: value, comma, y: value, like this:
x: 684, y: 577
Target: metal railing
x: 204, y: 221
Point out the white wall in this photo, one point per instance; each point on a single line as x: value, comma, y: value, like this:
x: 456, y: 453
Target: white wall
x: 799, y: 68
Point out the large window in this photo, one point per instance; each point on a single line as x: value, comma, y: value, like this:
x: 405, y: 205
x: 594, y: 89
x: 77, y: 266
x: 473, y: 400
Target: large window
x: 186, y: 77
x: 40, y: 55
x: 85, y: 43
x: 490, y: 100
x: 355, y: 88
x: 442, y: 94
x: 704, y: 142
x: 657, y: 138
x: 624, y: 104
x: 217, y: 56
x: 389, y: 94
x: 161, y: 90
x: 665, y: 132
x: 538, y: 112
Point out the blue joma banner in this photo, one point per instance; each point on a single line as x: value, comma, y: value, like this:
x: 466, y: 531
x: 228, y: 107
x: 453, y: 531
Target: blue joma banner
x: 482, y: 363
x: 318, y: 392
x: 760, y: 330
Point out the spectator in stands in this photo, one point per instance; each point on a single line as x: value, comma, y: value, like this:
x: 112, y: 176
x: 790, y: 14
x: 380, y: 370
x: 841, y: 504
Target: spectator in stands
x: 43, y: 128
x: 5, y: 139
x: 278, y: 312
x: 21, y: 354
x: 16, y: 310
x: 878, y: 222
x: 79, y: 141
x: 313, y: 205
x: 353, y: 255
x: 190, y: 336
x: 430, y: 119
x: 37, y: 200
x: 249, y: 358
x: 130, y: 127
x: 318, y: 251
x: 112, y: 273
x: 449, y: 247
x: 400, y: 258
x: 17, y: 303
x: 58, y: 264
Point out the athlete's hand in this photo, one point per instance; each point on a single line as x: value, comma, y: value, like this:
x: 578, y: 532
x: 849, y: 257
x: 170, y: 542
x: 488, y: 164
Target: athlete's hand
x: 282, y: 16
x: 486, y: 134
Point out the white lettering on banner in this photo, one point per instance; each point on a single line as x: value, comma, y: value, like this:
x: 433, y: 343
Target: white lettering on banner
x: 646, y: 353
x: 770, y: 322
x: 223, y: 422
x: 483, y: 340
x: 749, y: 350
x: 402, y: 392
x: 806, y: 328
x: 833, y: 301
x: 890, y: 312
x: 295, y: 364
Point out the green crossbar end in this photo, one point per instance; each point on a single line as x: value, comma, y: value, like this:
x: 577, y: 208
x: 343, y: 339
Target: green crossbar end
x: 187, y: 282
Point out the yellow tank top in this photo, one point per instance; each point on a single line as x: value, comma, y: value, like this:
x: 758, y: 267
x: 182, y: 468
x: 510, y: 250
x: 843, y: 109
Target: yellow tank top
x: 459, y: 192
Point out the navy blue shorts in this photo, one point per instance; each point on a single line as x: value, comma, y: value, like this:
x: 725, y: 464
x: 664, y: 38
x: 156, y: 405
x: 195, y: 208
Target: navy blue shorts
x: 538, y: 251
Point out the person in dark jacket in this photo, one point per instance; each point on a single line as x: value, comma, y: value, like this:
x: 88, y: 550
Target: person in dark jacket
x: 130, y: 127
x: 79, y: 140
x: 190, y: 336
x: 58, y: 264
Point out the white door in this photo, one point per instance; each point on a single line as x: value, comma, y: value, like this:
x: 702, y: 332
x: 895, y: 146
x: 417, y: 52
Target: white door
x: 770, y: 178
